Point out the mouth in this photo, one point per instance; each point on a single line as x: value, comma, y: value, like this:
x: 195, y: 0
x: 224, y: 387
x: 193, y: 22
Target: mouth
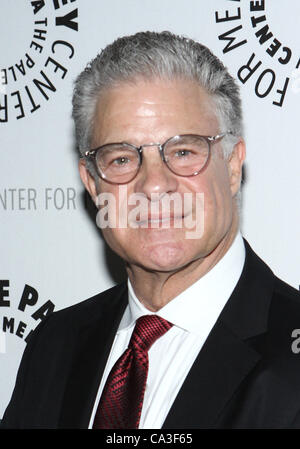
x: 167, y: 221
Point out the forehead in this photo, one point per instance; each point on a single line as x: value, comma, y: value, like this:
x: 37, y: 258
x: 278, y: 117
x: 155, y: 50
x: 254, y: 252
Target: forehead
x: 161, y: 107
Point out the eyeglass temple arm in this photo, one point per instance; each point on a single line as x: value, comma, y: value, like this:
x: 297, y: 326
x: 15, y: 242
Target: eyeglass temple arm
x: 89, y: 153
x: 219, y: 136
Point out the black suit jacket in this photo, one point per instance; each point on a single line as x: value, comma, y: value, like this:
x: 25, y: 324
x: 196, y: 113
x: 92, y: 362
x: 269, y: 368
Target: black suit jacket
x: 245, y: 376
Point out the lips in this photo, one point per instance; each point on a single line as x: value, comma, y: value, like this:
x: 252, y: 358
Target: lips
x: 145, y: 216
x: 159, y: 220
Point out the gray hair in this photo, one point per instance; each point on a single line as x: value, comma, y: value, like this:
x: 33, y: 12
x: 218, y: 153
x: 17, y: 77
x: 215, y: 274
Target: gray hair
x: 152, y: 55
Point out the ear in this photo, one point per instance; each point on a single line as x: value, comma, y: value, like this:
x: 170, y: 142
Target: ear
x: 87, y: 179
x: 235, y: 165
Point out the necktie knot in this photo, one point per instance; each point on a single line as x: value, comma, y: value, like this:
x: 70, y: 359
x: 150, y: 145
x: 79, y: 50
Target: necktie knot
x: 148, y: 329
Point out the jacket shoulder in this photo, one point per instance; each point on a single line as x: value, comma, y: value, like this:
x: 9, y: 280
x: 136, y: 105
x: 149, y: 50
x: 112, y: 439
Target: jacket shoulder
x: 286, y: 302
x: 285, y: 290
x: 69, y: 319
x: 94, y: 303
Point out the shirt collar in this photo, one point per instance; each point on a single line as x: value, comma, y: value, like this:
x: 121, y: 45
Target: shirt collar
x: 197, y: 308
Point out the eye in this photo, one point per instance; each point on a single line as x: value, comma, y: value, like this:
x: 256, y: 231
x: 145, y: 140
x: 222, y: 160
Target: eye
x: 121, y: 161
x: 182, y: 153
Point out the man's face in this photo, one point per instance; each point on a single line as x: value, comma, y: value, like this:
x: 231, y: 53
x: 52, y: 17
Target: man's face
x: 147, y: 112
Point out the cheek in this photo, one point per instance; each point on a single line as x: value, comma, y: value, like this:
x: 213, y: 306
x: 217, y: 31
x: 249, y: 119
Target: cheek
x: 219, y: 203
x: 108, y: 217
x: 215, y: 187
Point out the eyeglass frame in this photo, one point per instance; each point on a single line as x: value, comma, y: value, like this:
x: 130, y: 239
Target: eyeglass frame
x: 209, y: 139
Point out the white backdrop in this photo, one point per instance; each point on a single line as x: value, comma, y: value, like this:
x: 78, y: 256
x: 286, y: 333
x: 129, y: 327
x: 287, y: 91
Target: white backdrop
x: 52, y: 254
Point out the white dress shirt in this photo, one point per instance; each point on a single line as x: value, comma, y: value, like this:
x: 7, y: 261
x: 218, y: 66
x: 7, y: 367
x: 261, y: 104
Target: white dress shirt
x: 193, y: 314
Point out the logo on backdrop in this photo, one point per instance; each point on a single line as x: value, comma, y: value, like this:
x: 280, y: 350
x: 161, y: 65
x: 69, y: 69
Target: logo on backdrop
x: 20, y: 321
x: 274, y: 66
x: 44, y: 198
x: 35, y: 68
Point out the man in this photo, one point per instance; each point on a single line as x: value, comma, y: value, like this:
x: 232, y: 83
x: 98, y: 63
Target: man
x: 158, y: 117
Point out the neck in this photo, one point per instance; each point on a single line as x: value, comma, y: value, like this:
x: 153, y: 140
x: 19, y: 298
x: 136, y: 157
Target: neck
x: 156, y: 289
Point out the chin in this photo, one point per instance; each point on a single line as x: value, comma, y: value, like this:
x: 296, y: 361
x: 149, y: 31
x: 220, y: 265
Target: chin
x: 164, y: 257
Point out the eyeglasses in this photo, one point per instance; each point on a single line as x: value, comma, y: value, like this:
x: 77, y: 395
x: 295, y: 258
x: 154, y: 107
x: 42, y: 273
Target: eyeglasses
x: 185, y: 155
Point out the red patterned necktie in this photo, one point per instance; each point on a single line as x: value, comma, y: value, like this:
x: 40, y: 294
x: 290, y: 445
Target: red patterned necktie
x: 121, y: 402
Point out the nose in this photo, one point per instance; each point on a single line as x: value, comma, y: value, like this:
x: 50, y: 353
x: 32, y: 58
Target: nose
x: 154, y: 175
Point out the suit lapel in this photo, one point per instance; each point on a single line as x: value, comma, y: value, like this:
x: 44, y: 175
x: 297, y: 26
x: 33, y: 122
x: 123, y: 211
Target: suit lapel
x: 91, y: 350
x: 220, y: 367
x: 227, y: 356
